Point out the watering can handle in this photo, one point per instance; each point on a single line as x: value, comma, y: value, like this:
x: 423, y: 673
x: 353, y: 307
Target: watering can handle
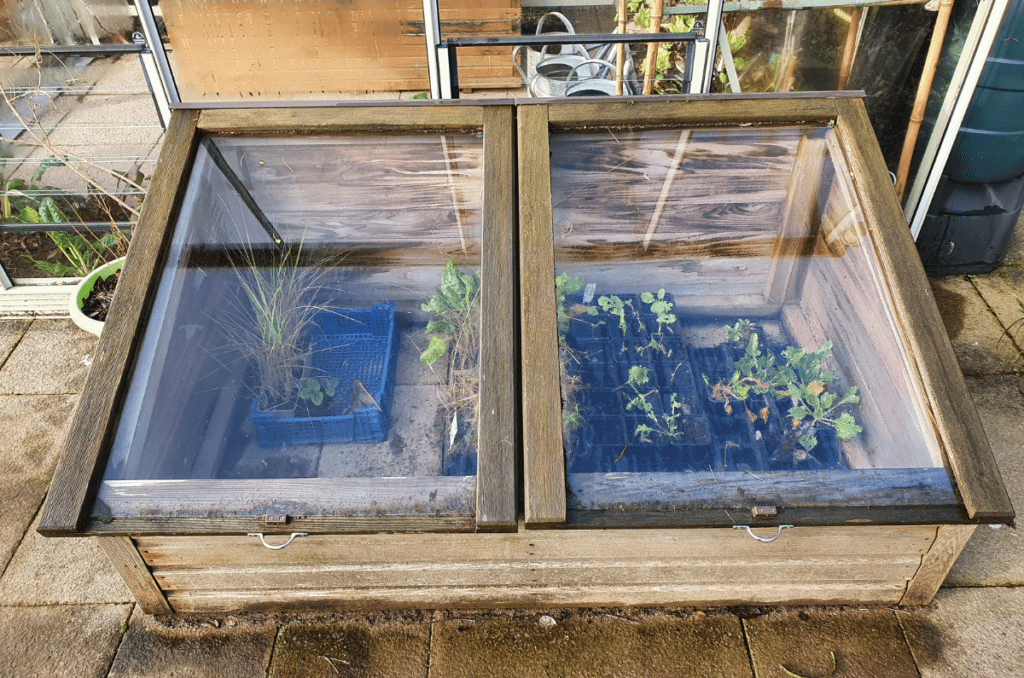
x: 589, y: 62
x: 515, y: 62
x: 557, y: 15
x: 579, y: 49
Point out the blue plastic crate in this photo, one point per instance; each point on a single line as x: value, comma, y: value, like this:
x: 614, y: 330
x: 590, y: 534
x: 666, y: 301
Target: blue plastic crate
x: 346, y: 345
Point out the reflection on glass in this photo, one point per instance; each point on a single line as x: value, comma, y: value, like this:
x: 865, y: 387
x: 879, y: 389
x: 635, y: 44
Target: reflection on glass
x: 319, y: 320
x: 723, y: 330
x: 83, y: 22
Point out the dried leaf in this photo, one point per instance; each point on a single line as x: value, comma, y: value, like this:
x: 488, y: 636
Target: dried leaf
x: 815, y: 388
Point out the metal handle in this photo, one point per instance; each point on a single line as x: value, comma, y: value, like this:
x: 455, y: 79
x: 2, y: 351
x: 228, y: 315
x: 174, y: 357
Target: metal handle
x: 280, y: 546
x: 762, y: 539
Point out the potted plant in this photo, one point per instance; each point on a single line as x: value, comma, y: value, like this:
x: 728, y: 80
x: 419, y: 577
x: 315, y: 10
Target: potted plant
x: 94, y: 261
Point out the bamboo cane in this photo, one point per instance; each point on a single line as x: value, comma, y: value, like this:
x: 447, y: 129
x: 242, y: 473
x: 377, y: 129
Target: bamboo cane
x: 652, y: 47
x: 620, y: 57
x: 921, y: 102
x: 850, y: 48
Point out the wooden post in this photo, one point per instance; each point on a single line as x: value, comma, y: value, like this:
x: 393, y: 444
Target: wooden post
x: 917, y: 116
x: 652, y: 47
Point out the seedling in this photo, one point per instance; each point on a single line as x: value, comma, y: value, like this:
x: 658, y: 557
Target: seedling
x: 614, y: 305
x: 316, y: 390
x: 803, y: 379
x: 668, y: 424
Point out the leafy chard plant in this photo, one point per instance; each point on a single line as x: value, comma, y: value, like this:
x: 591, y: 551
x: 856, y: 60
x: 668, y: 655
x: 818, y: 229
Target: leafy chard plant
x: 454, y: 331
x: 803, y: 380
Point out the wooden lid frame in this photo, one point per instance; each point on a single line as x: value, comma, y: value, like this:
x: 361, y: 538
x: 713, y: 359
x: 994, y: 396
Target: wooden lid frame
x: 80, y: 470
x: 958, y: 427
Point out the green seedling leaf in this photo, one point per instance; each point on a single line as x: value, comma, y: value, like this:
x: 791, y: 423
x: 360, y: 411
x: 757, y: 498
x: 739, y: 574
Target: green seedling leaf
x: 434, y: 350
x: 808, y: 442
x: 846, y: 426
x: 329, y: 386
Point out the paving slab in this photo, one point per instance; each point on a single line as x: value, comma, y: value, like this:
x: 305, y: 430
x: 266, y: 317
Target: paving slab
x: 865, y: 642
x: 11, y: 332
x: 194, y: 646
x: 33, y: 428
x: 590, y: 643
x: 61, y: 571
x: 995, y: 557
x: 1003, y: 291
x: 972, y: 327
x: 968, y: 632
x: 53, y: 357
x: 76, y: 641
x: 379, y: 648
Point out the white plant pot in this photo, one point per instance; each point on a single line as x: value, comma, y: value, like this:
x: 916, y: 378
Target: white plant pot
x: 82, y: 291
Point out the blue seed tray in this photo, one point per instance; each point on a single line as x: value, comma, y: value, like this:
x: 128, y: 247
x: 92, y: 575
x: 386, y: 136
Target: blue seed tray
x: 346, y: 345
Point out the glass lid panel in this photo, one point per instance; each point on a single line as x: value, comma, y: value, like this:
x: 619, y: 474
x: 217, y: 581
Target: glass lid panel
x: 314, y: 344
x: 725, y: 336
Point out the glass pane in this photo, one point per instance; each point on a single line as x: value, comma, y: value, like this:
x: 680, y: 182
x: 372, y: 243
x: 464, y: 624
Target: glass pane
x: 725, y: 337
x: 79, y: 141
x: 318, y: 325
x: 60, y: 22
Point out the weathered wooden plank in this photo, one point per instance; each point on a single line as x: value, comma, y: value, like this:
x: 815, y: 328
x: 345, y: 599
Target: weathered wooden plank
x: 83, y: 456
x: 349, y: 119
x: 135, y: 573
x: 546, y: 596
x: 800, y: 221
x: 869, y: 487
x: 498, y: 443
x: 543, y: 463
x: 719, y: 111
x: 433, y: 495
x: 967, y: 448
x: 585, y: 574
x: 536, y: 546
x: 936, y: 564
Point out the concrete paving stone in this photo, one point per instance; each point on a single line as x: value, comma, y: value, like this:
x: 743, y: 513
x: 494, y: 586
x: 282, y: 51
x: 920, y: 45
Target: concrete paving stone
x: 74, y: 641
x: 53, y: 357
x: 377, y: 650
x: 33, y: 428
x: 972, y: 328
x: 590, y: 643
x: 995, y: 557
x: 865, y: 643
x: 1003, y: 291
x: 195, y: 646
x: 11, y: 332
x: 968, y: 632
x: 61, y: 571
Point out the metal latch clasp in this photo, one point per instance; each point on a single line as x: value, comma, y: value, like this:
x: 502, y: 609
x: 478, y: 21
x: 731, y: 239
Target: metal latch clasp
x: 762, y: 539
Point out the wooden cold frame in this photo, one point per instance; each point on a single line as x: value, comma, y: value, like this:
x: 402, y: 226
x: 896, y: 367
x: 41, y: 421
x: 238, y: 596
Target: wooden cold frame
x: 80, y: 470
x: 836, y: 554
x: 943, y: 398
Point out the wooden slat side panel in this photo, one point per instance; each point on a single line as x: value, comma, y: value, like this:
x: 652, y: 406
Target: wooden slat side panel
x: 544, y: 461
x: 500, y: 596
x: 959, y: 426
x: 937, y: 563
x: 496, y: 470
x: 538, y: 546
x: 80, y: 464
x: 344, y: 119
x: 709, y: 570
x: 698, y: 112
x: 136, y: 575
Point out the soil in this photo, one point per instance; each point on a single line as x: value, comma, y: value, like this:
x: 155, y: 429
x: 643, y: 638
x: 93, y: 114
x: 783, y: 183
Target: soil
x: 16, y: 247
x: 97, y: 303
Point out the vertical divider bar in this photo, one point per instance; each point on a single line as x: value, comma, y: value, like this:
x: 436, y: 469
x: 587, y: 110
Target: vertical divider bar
x: 156, y: 46
x: 432, y: 35
x: 496, y: 466
x: 543, y: 458
x: 712, y: 21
